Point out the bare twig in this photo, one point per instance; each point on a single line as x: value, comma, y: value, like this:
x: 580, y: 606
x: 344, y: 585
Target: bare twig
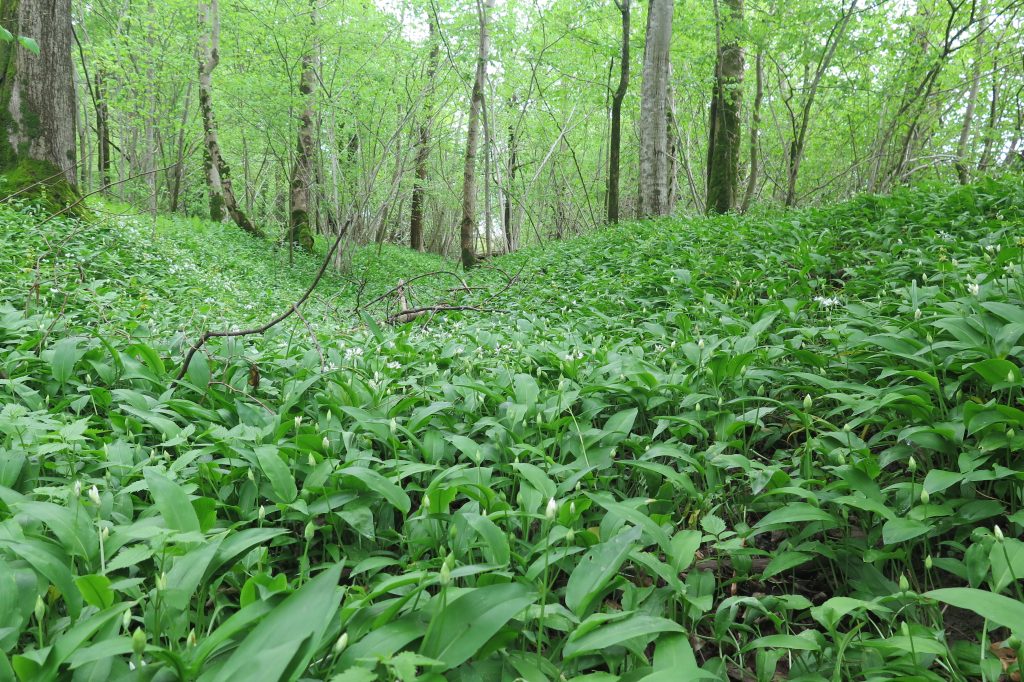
x: 294, y: 308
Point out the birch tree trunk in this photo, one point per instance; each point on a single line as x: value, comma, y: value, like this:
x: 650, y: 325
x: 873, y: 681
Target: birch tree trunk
x: 614, y: 152
x: 302, y: 175
x: 724, y: 123
x: 654, y: 110
x: 218, y: 174
x: 467, y: 228
x: 37, y: 101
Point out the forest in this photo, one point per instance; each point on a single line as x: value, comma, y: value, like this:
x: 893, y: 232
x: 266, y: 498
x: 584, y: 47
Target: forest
x: 511, y: 340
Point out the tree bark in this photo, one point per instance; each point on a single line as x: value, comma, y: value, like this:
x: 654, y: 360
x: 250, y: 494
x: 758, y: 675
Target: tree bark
x: 467, y: 228
x: 37, y: 102
x: 724, y: 123
x: 419, y: 190
x: 513, y: 166
x: 302, y: 175
x: 654, y: 111
x: 218, y: 173
x: 616, y: 131
x: 755, y: 131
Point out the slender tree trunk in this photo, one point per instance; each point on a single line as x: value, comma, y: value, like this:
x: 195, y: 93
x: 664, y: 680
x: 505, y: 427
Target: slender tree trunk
x: 654, y: 110
x: 102, y: 131
x: 796, y: 147
x: 423, y: 147
x: 218, y: 173
x: 150, y: 151
x: 302, y: 175
x: 616, y: 132
x: 962, y: 173
x: 467, y: 228
x: 755, y: 131
x: 724, y: 123
x: 37, y: 101
x: 513, y: 166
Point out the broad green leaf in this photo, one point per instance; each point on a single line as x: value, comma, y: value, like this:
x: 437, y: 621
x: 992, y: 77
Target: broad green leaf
x: 172, y: 502
x: 618, y: 632
x: 282, y: 482
x: 466, y: 623
x: 95, y: 590
x: 284, y: 642
x: 596, y: 569
x: 994, y: 607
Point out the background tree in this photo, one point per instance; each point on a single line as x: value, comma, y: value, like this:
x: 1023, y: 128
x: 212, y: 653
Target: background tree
x: 724, y: 120
x: 615, y: 142
x: 655, y: 183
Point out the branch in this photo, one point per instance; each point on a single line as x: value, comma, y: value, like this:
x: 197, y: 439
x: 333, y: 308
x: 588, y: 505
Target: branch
x: 294, y: 308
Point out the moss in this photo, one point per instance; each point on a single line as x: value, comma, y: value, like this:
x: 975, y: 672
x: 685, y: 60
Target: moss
x: 41, y: 183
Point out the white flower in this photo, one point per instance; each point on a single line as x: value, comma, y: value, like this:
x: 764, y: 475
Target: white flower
x: 828, y: 301
x: 94, y: 495
x: 552, y: 509
x: 973, y: 288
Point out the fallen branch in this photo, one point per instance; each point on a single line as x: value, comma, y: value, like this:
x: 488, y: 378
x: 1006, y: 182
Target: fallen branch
x: 294, y: 308
x: 412, y: 314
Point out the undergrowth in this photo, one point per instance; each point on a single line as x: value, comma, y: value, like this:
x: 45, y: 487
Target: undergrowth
x: 783, y: 446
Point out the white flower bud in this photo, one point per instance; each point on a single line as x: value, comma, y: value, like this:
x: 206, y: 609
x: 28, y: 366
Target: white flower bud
x: 340, y: 645
x: 997, y: 531
x: 808, y: 401
x: 326, y: 443
x: 40, y: 609
x: 298, y: 421
x: 904, y: 583
x: 76, y: 489
x: 925, y: 497
x: 262, y: 513
x: 551, y: 510
x: 912, y: 464
x: 94, y: 495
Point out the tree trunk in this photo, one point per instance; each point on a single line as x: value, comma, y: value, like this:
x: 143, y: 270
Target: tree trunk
x: 467, y: 228
x: 616, y: 131
x: 513, y: 166
x: 796, y: 147
x: 962, y: 173
x: 218, y: 174
x: 299, y: 224
x: 102, y: 132
x: 724, y: 123
x: 37, y: 102
x: 755, y: 131
x: 423, y: 147
x: 654, y: 110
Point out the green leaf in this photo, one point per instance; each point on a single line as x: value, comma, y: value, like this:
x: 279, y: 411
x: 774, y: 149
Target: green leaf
x: 897, y: 530
x: 470, y: 620
x: 597, y: 568
x: 95, y: 590
x: 784, y: 642
x: 618, y: 632
x: 794, y: 512
x: 282, y: 482
x: 65, y: 355
x: 378, y: 484
x: 172, y: 502
x: 29, y: 44
x: 284, y: 642
x: 994, y: 607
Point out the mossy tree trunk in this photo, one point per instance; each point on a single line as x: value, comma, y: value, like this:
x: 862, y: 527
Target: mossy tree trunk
x: 724, y: 122
x: 301, y: 229
x: 37, y: 103
x: 218, y: 174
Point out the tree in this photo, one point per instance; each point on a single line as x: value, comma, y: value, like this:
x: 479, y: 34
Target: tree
x: 616, y: 126
x: 467, y: 227
x: 423, y: 149
x: 724, y: 121
x: 218, y: 173
x: 655, y: 164
x: 37, y: 101
x: 302, y: 174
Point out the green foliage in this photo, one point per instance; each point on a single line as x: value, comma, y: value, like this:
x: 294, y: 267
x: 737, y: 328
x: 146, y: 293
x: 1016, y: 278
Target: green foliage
x: 783, y: 444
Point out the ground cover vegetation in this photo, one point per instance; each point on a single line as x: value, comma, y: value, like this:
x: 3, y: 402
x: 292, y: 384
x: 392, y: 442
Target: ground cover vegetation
x: 783, y: 445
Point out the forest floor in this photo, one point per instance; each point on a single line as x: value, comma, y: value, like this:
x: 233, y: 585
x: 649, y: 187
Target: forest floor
x: 776, y: 446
